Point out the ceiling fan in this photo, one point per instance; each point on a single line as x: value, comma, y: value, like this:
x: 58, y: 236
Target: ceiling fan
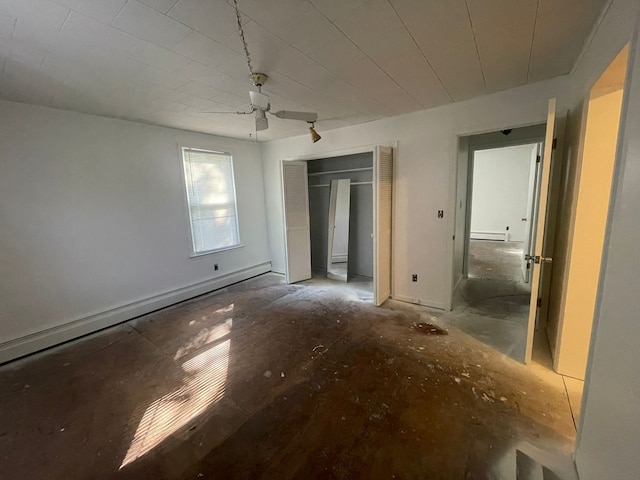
x: 260, y: 105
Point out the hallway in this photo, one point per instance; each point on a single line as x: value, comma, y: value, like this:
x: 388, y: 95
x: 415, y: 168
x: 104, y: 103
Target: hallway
x: 492, y: 304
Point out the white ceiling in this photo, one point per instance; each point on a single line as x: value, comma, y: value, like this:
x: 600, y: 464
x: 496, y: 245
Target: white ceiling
x: 167, y: 61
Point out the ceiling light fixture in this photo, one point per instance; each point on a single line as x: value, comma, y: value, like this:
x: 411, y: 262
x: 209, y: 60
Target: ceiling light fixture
x: 314, y: 135
x: 260, y: 104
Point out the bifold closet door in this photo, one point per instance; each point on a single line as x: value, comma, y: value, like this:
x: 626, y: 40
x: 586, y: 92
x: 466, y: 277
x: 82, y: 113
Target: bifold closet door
x: 382, y: 215
x: 296, y: 220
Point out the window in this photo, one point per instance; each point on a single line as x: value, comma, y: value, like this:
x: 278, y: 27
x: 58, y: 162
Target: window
x: 211, y: 198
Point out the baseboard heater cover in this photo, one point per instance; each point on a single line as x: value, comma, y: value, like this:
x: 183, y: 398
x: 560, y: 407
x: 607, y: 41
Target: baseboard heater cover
x: 497, y: 236
x: 32, y: 343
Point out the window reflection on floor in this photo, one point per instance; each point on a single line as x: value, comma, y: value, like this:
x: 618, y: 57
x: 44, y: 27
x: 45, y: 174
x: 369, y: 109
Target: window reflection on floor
x: 204, y: 383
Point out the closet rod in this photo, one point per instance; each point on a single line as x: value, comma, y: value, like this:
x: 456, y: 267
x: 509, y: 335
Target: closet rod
x: 315, y: 174
x: 328, y: 185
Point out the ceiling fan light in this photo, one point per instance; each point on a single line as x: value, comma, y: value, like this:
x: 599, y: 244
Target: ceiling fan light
x: 314, y: 135
x: 261, y: 120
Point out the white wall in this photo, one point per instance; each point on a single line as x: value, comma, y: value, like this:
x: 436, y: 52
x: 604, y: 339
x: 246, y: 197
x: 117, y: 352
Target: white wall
x: 609, y: 432
x: 425, y: 168
x: 500, y: 190
x: 94, y: 226
x: 610, y: 426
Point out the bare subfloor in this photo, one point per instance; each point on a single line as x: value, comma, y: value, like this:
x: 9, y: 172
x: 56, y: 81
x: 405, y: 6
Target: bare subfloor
x: 275, y: 381
x: 492, y: 304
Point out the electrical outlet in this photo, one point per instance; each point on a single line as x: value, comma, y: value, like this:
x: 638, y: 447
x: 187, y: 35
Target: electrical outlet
x: 440, y: 213
x: 414, y: 277
x: 215, y: 267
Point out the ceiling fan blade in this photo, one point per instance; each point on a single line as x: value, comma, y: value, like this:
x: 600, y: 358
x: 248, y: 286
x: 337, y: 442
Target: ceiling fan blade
x: 229, y: 113
x: 291, y: 115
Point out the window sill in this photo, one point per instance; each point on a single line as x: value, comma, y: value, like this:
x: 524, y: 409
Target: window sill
x: 219, y: 250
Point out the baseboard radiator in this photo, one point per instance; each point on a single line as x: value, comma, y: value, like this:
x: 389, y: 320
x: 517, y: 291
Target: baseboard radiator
x: 49, y: 337
x: 497, y: 236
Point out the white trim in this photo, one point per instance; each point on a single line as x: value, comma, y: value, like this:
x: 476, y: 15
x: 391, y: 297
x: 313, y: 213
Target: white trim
x: 425, y: 302
x: 422, y: 301
x: 217, y: 250
x: 192, y: 252
x: 341, y: 152
x: 34, y: 342
x: 406, y: 299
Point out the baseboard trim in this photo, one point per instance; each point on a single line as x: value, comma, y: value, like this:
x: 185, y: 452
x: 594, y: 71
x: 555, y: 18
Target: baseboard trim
x: 421, y: 301
x: 50, y: 337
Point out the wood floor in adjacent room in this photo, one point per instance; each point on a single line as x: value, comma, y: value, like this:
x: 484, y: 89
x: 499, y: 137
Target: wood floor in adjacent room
x: 275, y: 381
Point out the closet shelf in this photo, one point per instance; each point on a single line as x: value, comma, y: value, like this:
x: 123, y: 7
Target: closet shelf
x: 317, y: 174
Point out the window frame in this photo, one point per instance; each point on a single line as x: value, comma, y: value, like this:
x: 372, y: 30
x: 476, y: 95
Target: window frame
x: 185, y: 184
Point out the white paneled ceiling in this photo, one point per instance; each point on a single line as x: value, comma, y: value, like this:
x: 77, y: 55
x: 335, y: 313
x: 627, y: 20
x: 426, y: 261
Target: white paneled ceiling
x: 167, y: 62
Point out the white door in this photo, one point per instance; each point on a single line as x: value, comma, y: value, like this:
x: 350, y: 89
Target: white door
x: 538, y: 262
x: 530, y: 219
x: 296, y: 221
x: 382, y: 211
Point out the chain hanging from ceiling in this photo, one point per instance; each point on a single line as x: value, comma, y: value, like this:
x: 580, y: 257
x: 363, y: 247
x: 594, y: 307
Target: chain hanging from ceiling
x: 241, y: 33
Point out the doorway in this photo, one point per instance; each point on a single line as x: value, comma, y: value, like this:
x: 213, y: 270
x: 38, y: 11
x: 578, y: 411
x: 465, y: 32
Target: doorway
x: 502, y: 203
x: 499, y: 183
x: 582, y: 212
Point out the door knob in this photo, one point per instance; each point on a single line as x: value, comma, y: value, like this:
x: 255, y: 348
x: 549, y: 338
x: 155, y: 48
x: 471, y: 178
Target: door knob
x: 538, y: 259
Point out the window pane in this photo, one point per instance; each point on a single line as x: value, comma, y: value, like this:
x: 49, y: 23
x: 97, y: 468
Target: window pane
x: 212, y: 200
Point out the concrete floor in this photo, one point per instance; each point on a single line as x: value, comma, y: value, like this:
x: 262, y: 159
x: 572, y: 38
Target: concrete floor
x: 492, y: 304
x: 275, y: 381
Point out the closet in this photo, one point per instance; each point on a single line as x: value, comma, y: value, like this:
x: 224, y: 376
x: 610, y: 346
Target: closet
x: 355, y: 252
x: 306, y: 196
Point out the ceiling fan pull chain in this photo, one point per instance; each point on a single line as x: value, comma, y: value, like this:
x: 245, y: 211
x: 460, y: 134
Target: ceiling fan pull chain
x: 241, y: 33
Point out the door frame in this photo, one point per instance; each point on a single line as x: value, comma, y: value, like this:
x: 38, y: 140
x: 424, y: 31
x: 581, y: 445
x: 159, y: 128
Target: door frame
x: 341, y: 153
x: 549, y: 230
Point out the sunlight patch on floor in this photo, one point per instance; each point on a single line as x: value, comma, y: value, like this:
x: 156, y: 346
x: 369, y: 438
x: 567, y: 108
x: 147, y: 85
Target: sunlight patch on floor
x: 205, y: 337
x: 204, y: 384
